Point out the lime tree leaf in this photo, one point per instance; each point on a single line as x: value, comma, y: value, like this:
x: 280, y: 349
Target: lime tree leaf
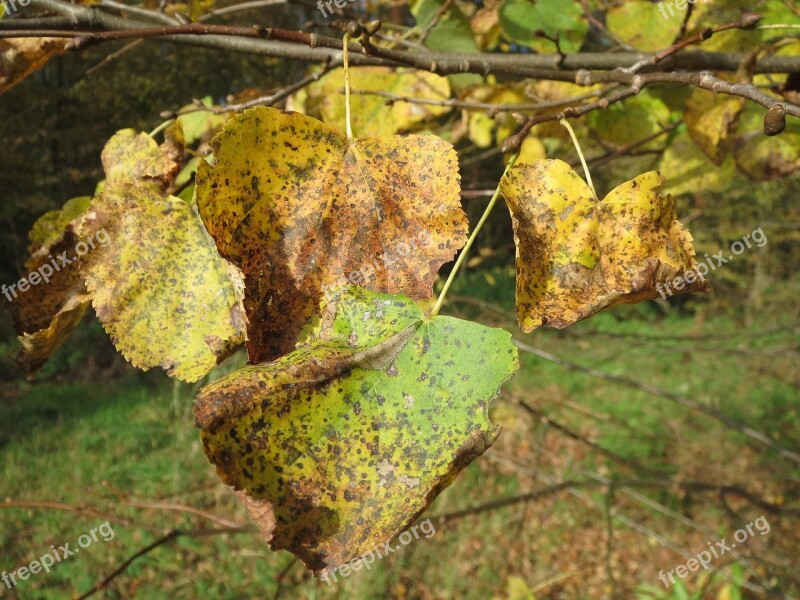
x: 301, y: 211
x: 49, y: 300
x: 201, y: 124
x: 160, y: 289
x: 643, y: 24
x: 39, y: 346
x: 634, y: 119
x: 764, y: 158
x: 523, y: 19
x: 341, y: 444
x: 711, y: 120
x: 19, y: 57
x: 686, y: 169
x: 371, y: 115
x: 451, y: 33
x: 577, y: 256
x: 483, y: 127
x: 720, y: 12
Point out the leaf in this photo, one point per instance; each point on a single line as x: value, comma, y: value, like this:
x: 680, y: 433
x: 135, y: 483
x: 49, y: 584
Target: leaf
x: 523, y: 19
x: 371, y: 115
x: 19, y: 57
x: 301, y: 211
x: 39, y: 346
x: 201, y: 124
x: 451, y: 33
x: 644, y: 25
x: 341, y: 444
x: 577, y: 256
x: 686, y: 169
x: 160, y: 289
x: 484, y: 127
x: 711, y: 120
x: 50, y: 299
x: 634, y: 119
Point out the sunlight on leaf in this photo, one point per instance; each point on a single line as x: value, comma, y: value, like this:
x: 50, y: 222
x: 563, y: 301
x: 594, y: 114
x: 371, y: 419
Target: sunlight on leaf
x: 160, y: 288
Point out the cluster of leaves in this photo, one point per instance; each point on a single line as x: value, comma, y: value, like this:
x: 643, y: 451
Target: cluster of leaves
x: 358, y: 408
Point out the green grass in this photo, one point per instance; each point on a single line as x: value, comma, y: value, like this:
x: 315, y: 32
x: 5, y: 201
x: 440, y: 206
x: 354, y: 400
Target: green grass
x: 102, y: 444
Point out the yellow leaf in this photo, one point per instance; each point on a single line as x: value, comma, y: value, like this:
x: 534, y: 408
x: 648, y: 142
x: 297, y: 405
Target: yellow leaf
x: 374, y: 115
x: 160, y: 288
x: 577, y: 256
x: 711, y: 120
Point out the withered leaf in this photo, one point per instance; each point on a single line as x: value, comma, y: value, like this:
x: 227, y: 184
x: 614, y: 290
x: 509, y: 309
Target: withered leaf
x: 577, y: 256
x: 302, y: 211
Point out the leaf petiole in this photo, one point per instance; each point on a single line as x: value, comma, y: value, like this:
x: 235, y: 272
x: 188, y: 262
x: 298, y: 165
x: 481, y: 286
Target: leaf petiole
x: 572, y: 135
x: 473, y: 235
x: 346, y: 65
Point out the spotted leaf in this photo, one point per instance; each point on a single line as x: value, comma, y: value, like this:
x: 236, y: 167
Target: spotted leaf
x: 577, y: 255
x: 302, y: 210
x: 339, y: 445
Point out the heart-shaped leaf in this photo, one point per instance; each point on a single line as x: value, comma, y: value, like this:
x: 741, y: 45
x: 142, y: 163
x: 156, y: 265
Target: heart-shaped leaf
x: 577, y: 255
x: 302, y: 210
x: 339, y: 445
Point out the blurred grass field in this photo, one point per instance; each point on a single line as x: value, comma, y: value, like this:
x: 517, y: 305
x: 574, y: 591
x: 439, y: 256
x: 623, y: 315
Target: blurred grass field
x: 123, y: 448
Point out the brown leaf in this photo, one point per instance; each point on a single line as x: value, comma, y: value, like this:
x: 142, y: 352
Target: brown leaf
x: 302, y: 211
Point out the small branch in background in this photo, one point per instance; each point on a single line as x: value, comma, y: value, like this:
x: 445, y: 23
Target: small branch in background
x: 655, y: 391
x: 164, y: 539
x: 267, y: 100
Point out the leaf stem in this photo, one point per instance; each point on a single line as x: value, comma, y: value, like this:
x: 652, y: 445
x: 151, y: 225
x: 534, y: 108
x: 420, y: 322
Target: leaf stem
x: 473, y: 235
x: 346, y: 65
x: 160, y: 128
x: 568, y: 127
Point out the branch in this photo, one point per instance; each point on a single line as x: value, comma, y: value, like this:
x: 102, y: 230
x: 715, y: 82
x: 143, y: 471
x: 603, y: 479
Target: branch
x: 543, y: 66
x: 655, y: 391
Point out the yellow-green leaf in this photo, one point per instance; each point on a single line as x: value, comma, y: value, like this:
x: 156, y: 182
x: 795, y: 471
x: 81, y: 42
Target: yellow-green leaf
x: 160, y: 288
x: 339, y: 445
x: 371, y: 114
x: 711, y: 120
x: 644, y: 25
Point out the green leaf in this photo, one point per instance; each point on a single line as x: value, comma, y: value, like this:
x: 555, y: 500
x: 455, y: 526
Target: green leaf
x: 452, y: 33
x: 764, y: 158
x: 339, y: 445
x: 522, y: 19
x: 633, y: 119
